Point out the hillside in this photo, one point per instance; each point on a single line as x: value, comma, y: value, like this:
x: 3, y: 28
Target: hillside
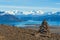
x: 14, y: 33
x: 11, y: 18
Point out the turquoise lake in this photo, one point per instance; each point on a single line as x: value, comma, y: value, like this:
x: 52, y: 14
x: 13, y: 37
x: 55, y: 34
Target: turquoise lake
x: 30, y: 22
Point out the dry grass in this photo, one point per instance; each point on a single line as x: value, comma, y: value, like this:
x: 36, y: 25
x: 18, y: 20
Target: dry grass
x: 14, y: 33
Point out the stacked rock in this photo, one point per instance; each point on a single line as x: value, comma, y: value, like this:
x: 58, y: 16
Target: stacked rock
x: 44, y: 30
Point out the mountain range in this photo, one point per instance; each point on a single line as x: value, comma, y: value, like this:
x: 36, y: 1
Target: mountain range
x: 8, y: 16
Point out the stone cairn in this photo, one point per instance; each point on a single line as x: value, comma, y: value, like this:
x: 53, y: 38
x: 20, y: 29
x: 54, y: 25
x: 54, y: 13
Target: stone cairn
x: 44, y: 29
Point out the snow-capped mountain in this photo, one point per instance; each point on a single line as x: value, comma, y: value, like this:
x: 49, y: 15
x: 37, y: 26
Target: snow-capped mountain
x: 32, y: 15
x: 50, y: 16
x: 31, y: 12
x: 4, y: 17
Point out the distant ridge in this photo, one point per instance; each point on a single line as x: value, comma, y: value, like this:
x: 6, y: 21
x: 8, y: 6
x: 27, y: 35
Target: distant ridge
x: 49, y: 16
x: 9, y: 18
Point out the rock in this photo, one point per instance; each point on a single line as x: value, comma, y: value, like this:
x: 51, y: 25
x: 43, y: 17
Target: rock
x: 44, y: 29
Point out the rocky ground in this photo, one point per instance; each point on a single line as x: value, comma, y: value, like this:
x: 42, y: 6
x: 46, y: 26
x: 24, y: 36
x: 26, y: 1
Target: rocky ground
x: 14, y: 33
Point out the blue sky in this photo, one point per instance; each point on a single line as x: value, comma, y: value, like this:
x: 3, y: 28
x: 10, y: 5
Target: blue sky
x: 30, y: 4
